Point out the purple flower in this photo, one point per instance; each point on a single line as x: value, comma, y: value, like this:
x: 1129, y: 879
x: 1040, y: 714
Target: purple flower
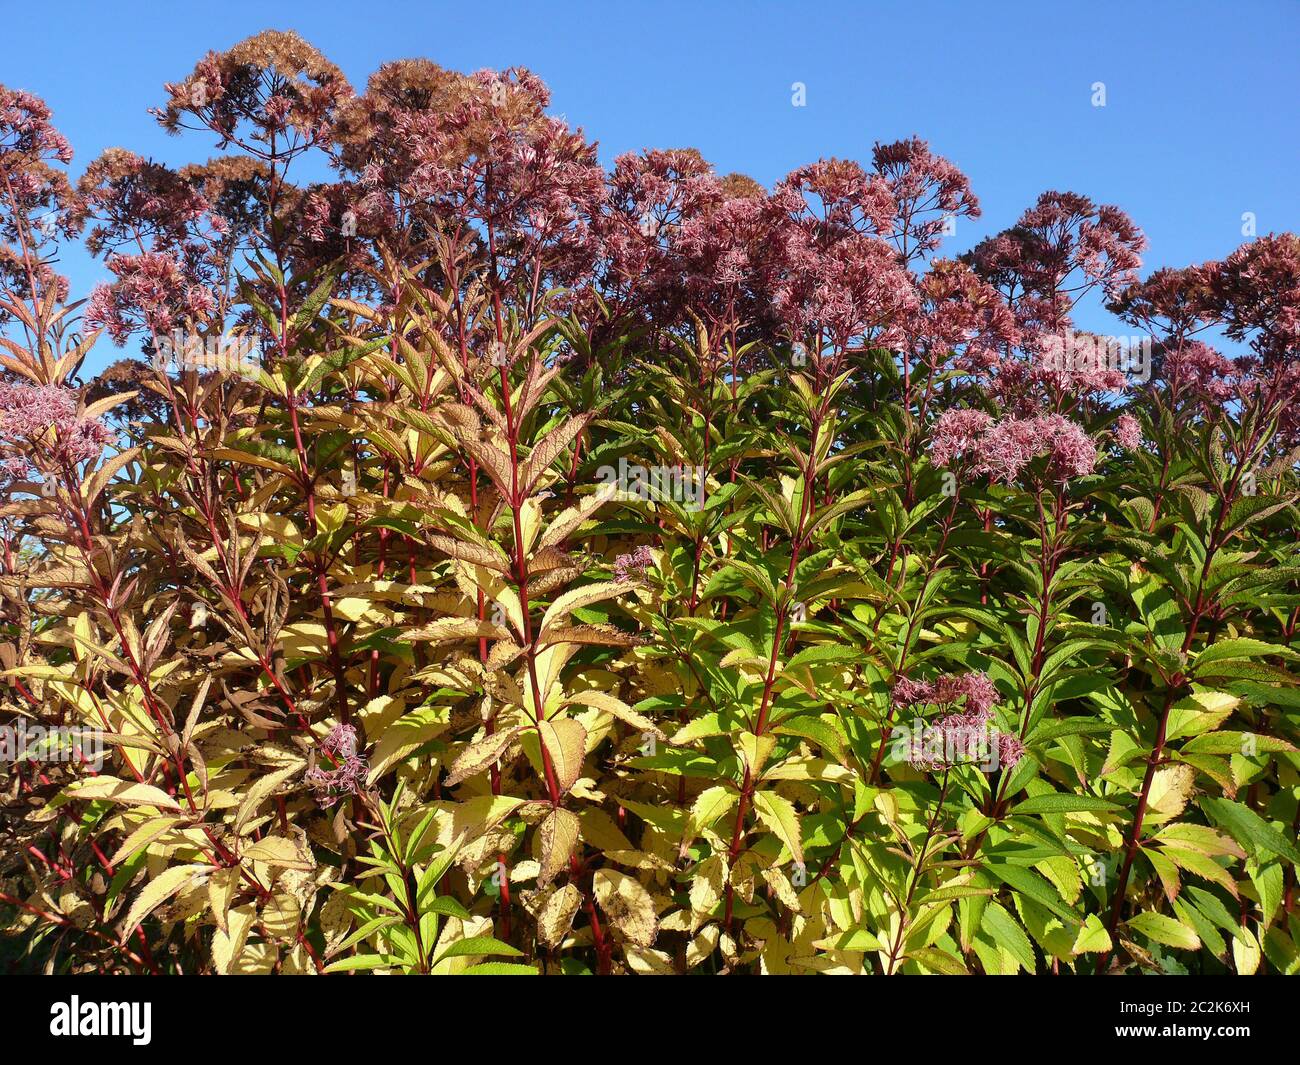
x: 1011, y: 749
x: 1128, y: 433
x: 975, y: 688
x: 1003, y: 450
x: 633, y: 564
x: 28, y: 412
x: 956, y: 738
x: 349, y: 772
x: 1071, y: 450
x: 1007, y: 448
x: 956, y: 435
x: 911, y: 692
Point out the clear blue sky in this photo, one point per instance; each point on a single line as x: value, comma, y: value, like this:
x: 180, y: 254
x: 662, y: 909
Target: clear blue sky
x: 1200, y: 123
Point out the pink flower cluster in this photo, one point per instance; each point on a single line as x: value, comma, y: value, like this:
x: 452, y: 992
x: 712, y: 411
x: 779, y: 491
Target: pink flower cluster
x: 975, y: 688
x: 494, y: 159
x: 152, y: 291
x: 929, y: 191
x: 1194, y: 368
x: 1253, y: 296
x: 633, y: 564
x: 832, y: 273
x: 28, y: 412
x: 1063, y: 246
x: 960, y: 312
x: 36, y: 198
x: 1128, y: 432
x: 957, y: 435
x: 349, y: 772
x: 131, y: 199
x: 25, y: 127
x: 962, y: 736
x: 1002, y: 450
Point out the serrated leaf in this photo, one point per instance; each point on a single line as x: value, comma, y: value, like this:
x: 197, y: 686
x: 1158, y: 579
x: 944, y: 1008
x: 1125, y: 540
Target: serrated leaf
x: 114, y: 790
x: 627, y: 904
x: 779, y: 815
x: 479, y: 756
x: 159, y: 890
x: 566, y: 743
x: 554, y: 841
x: 1164, y: 930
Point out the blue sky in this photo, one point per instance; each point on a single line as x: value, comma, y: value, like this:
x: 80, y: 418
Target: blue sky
x: 1200, y: 123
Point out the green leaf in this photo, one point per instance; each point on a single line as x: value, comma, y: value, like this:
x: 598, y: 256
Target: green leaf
x: 1093, y: 937
x: 1008, y: 934
x: 314, y: 302
x: 1061, y: 803
x: 360, y: 962
x: 1164, y: 930
x: 1248, y: 828
x: 1240, y: 648
x: 478, y: 945
x: 1033, y: 886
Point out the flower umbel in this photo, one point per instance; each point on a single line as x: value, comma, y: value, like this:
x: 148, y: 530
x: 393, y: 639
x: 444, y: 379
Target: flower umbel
x: 349, y: 772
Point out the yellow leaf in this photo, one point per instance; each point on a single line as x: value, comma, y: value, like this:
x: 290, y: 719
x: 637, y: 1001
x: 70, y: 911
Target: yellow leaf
x: 158, y: 891
x: 778, y: 813
x: 256, y: 959
x: 627, y: 904
x: 143, y: 836
x: 1246, y: 954
x: 401, y: 737
x: 277, y: 850
x: 449, y: 630
x: 707, y: 884
x: 115, y: 790
x: 246, y: 458
x: 221, y: 890
x: 602, y: 700
x: 553, y: 844
x: 262, y: 789
x: 755, y: 750
x: 479, y: 755
x: 1092, y: 938
x: 555, y: 917
x: 280, y: 915
x: 1170, y: 790
x: 709, y: 805
x: 566, y: 742
x: 568, y: 521
x: 575, y: 598
x: 227, y: 945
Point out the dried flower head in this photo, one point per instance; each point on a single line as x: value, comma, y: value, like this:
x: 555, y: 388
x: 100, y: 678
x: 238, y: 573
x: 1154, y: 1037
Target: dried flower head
x: 273, y: 94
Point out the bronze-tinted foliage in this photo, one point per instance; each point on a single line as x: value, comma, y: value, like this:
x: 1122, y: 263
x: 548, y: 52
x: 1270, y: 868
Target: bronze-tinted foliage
x: 503, y: 566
